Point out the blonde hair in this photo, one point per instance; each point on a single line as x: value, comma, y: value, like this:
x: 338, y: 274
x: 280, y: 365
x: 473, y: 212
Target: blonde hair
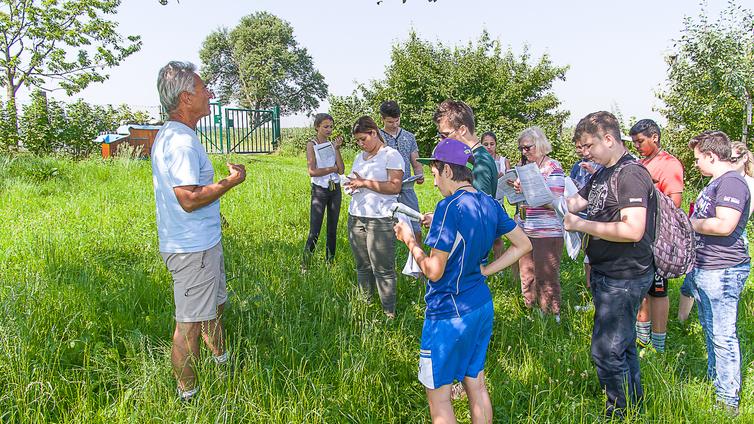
x: 538, y: 137
x: 740, y: 154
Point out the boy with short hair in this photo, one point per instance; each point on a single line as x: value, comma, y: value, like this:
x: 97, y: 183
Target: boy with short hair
x: 458, y: 319
x: 405, y: 143
x: 722, y: 261
x: 667, y: 174
x: 620, y: 225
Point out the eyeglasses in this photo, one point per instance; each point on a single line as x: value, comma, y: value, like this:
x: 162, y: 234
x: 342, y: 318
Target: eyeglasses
x: 525, y: 148
x: 443, y: 135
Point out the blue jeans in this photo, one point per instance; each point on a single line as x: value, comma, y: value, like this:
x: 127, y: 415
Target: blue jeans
x: 717, y: 292
x: 616, y: 303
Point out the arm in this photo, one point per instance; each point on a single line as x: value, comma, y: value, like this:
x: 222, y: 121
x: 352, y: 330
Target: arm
x: 722, y: 224
x: 629, y: 229
x: 576, y: 203
x: 418, y: 170
x: 311, y: 163
x: 337, y: 144
x: 520, y: 245
x: 391, y: 186
x: 194, y: 197
x: 432, y: 266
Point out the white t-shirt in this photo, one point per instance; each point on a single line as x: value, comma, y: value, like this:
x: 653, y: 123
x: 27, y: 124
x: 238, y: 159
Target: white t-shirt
x: 179, y: 159
x: 367, y: 203
x: 500, y: 162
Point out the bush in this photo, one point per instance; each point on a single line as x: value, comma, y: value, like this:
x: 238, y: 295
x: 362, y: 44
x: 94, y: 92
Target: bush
x: 507, y: 92
x: 48, y: 126
x: 36, y: 130
x: 293, y: 140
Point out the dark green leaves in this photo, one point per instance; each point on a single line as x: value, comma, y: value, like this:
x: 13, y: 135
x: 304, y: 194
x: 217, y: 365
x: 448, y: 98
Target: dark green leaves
x: 259, y: 64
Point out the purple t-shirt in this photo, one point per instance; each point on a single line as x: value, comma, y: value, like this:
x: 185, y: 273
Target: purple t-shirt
x: 719, y: 252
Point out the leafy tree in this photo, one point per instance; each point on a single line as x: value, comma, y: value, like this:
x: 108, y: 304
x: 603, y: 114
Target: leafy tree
x: 507, y: 92
x: 711, y: 75
x: 259, y: 64
x: 58, y: 44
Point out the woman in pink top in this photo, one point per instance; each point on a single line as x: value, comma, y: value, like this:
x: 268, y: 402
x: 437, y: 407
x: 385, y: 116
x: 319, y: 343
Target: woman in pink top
x: 539, y: 270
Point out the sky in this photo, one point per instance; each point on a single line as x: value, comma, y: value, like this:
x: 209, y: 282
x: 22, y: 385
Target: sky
x: 615, y: 50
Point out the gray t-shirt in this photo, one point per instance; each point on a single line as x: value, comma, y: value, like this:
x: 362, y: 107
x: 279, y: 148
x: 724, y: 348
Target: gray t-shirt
x: 719, y: 252
x: 405, y: 143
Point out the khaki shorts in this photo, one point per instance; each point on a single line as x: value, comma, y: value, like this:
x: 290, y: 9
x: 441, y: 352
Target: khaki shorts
x: 198, y: 283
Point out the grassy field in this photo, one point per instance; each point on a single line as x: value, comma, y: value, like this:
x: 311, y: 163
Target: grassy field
x: 86, y: 317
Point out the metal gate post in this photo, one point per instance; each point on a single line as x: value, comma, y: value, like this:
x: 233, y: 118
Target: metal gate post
x: 219, y: 117
x: 275, y: 126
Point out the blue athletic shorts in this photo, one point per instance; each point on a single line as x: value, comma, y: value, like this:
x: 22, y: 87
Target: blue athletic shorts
x: 454, y: 348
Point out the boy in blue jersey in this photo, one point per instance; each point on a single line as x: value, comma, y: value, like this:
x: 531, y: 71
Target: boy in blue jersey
x: 458, y: 320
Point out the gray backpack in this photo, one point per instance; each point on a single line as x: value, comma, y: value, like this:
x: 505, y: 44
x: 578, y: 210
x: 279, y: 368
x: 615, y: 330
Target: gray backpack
x: 673, y: 245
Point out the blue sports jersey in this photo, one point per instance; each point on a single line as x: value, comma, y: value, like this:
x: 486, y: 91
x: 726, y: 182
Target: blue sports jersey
x: 465, y: 225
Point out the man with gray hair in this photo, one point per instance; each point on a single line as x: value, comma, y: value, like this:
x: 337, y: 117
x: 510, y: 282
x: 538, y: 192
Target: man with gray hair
x: 188, y: 221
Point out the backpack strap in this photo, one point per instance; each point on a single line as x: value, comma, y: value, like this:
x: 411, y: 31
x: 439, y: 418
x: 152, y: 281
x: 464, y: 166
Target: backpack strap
x: 614, y: 177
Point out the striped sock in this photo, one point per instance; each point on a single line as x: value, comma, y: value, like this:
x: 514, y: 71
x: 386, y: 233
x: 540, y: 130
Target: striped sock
x: 642, y: 332
x: 221, y: 359
x: 658, y: 341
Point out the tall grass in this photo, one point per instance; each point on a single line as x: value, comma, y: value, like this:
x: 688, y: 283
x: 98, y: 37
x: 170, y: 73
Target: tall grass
x: 87, y: 315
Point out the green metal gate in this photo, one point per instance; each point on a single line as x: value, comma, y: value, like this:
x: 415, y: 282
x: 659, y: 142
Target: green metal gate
x: 237, y: 130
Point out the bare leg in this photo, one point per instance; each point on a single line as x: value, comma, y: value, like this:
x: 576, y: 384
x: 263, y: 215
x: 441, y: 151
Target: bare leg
x: 440, y: 407
x: 480, y: 405
x: 185, y: 351
x: 660, y: 309
x: 685, y: 304
x: 645, y: 310
x: 212, y: 333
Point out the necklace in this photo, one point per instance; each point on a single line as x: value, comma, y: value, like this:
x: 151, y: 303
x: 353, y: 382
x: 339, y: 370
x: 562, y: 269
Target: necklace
x: 463, y: 186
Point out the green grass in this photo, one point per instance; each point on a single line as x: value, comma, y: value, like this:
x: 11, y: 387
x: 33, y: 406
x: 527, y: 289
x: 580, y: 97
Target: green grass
x: 86, y: 317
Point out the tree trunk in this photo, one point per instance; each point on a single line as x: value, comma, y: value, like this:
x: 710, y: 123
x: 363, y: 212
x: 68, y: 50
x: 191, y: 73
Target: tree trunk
x: 12, y: 111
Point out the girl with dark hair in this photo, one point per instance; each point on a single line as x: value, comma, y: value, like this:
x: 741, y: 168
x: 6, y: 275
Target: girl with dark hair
x: 489, y: 141
x: 374, y: 184
x: 325, y: 180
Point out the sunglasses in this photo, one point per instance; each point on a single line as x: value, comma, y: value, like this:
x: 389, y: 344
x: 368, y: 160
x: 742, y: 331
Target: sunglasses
x: 525, y: 148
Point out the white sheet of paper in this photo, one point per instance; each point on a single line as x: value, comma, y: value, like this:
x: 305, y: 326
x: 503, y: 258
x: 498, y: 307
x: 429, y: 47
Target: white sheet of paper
x: 533, y: 185
x: 399, y: 208
x: 411, y: 268
x: 571, y: 239
x: 324, y: 153
x: 409, y: 182
x: 504, y: 190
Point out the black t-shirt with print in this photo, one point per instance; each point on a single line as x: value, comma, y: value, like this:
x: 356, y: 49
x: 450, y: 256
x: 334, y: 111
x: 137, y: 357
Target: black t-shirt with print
x: 620, y: 260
